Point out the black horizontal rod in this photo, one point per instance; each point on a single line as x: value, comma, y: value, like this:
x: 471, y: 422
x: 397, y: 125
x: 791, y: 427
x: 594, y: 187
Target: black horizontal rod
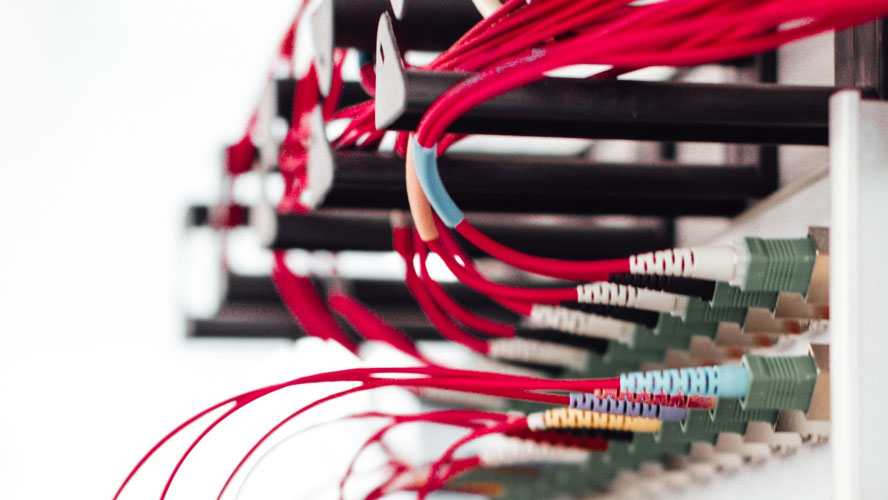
x: 562, y: 176
x: 538, y: 185
x: 197, y: 215
x: 245, y: 328
x: 423, y: 25
x: 565, y: 238
x: 603, y: 109
x: 429, y: 26
x: 220, y: 327
x: 608, y: 109
x: 249, y: 289
x: 352, y: 93
x: 228, y: 215
x: 257, y: 297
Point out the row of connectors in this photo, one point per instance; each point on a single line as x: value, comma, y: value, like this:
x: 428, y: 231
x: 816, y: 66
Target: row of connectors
x: 779, y: 286
x: 785, y: 285
x: 786, y: 402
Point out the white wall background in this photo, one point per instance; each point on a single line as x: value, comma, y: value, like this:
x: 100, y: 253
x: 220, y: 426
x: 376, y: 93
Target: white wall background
x: 111, y: 118
x: 112, y: 115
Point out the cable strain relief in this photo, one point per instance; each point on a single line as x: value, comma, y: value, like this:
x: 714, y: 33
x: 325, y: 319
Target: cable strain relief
x: 591, y: 402
x: 592, y: 344
x: 672, y: 284
x: 536, y: 421
x: 715, y: 263
x: 729, y: 381
x: 580, y: 323
x: 612, y: 294
x: 640, y: 316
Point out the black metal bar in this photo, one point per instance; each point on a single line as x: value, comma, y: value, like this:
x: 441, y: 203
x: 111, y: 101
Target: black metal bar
x: 560, y: 185
x: 431, y: 25
x: 388, y: 294
x: 223, y: 215
x: 556, y: 236
x: 549, y: 185
x: 861, y: 56
x: 668, y: 111
x: 255, y: 297
x: 240, y: 288
x: 244, y: 289
x: 242, y: 328
x: 428, y: 25
x: 217, y: 327
x: 197, y: 215
x: 352, y: 93
x: 566, y: 238
x: 768, y: 154
x: 608, y: 109
x: 531, y: 176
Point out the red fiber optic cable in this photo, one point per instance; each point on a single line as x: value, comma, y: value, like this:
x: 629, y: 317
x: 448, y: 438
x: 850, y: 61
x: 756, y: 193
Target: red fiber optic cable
x: 452, y: 307
x: 371, y: 326
x: 477, y: 383
x: 402, y: 241
x: 306, y: 306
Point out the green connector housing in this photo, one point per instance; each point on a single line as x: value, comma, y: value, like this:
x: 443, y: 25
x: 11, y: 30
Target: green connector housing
x: 645, y: 338
x: 646, y: 447
x: 598, y: 467
x: 779, y: 265
x: 671, y: 432
x: 730, y: 410
x: 670, y: 325
x: 726, y: 295
x: 619, y: 456
x: 779, y: 383
x: 700, y: 422
x: 617, y: 352
x: 542, y: 485
x: 699, y: 311
x: 575, y: 481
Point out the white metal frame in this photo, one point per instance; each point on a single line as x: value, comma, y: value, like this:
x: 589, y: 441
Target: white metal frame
x: 858, y: 275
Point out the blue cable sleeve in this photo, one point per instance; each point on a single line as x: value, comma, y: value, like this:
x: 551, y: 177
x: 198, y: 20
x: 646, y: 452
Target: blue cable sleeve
x: 726, y: 381
x: 425, y: 161
x: 733, y: 381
